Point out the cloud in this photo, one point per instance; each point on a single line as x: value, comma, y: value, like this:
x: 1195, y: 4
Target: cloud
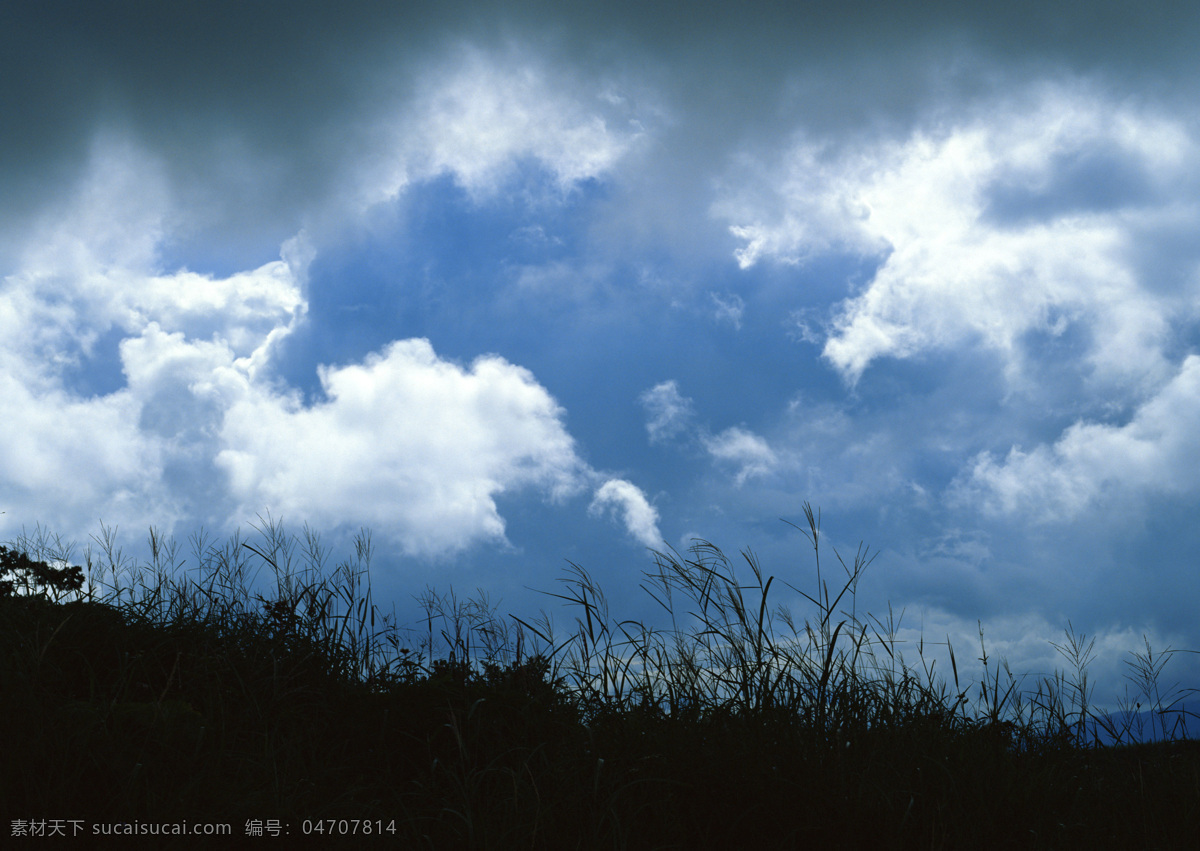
x: 667, y: 410
x: 201, y: 426
x: 87, y: 306
x: 406, y: 442
x: 989, y: 229
x: 639, y: 516
x: 479, y: 114
x: 730, y: 308
x: 71, y: 460
x: 1156, y: 452
x: 251, y: 266
x: 93, y: 264
x: 750, y: 453
x: 669, y: 414
x: 804, y: 207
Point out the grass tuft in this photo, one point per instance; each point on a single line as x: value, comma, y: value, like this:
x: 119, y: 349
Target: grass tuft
x: 252, y: 682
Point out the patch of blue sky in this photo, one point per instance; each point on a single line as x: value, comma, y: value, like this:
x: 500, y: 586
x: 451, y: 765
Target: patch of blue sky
x: 1097, y: 178
x: 442, y: 266
x: 221, y: 251
x: 95, y: 369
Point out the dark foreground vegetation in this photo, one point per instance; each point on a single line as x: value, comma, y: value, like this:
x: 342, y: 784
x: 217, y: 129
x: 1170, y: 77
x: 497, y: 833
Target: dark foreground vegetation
x: 167, y: 692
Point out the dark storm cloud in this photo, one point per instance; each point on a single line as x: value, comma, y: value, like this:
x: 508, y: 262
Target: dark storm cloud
x: 267, y: 99
x: 243, y: 101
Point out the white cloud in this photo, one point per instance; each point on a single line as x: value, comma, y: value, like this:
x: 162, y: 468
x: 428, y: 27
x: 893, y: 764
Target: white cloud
x: 750, y: 453
x: 729, y: 308
x: 1157, y: 451
x: 806, y: 207
x: 88, y: 278
x: 668, y: 411
x: 93, y: 266
x: 71, y: 460
x: 1017, y: 220
x: 413, y: 445
x: 405, y: 442
x: 639, y: 516
x: 478, y: 114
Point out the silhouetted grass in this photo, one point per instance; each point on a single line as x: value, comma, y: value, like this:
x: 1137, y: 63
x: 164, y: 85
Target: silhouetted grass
x: 250, y: 682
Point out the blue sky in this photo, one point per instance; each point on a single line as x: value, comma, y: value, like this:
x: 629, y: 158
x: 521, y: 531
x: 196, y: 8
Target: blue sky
x: 515, y: 284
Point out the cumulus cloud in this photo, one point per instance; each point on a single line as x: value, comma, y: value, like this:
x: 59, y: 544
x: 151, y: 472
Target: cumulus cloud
x: 749, y: 452
x: 668, y: 412
x: 1017, y: 220
x: 68, y: 460
x: 639, y: 516
x: 406, y: 442
x: 88, y: 287
x: 1157, y: 451
x: 93, y: 265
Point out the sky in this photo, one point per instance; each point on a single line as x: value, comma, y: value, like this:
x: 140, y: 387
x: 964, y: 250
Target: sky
x: 514, y: 285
